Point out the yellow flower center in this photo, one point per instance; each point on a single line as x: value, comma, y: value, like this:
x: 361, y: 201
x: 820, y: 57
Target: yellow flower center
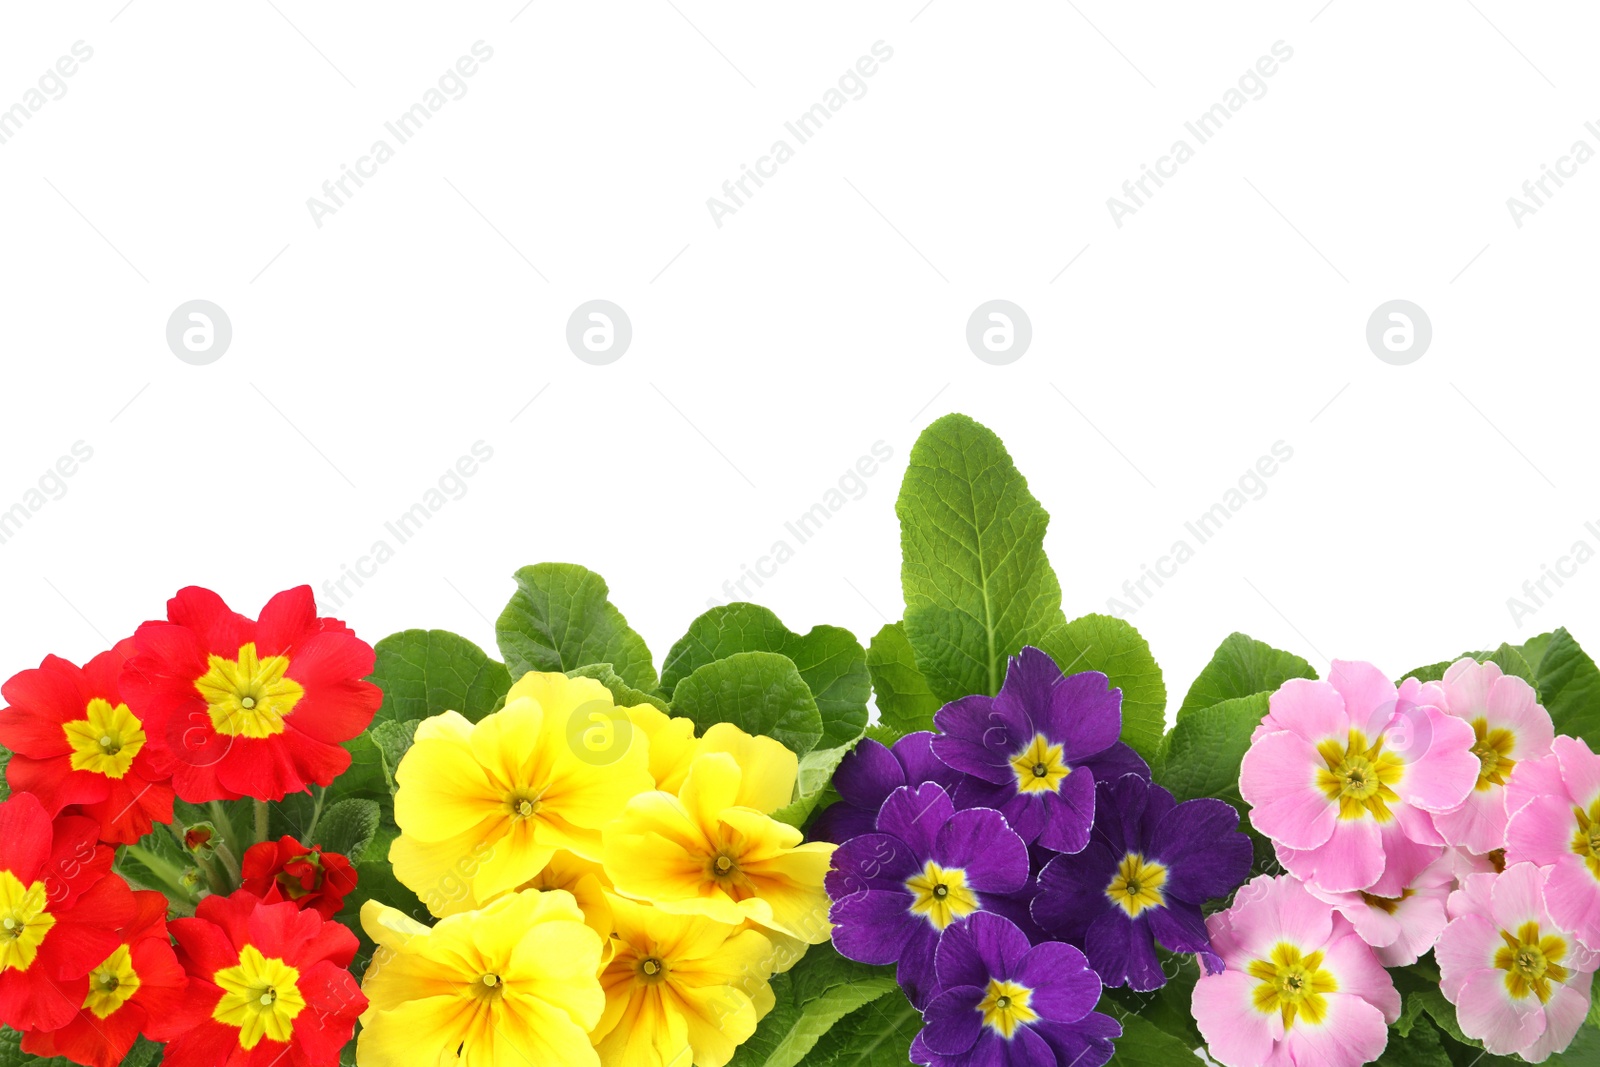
x: 488, y: 987
x: 1292, y: 984
x: 1039, y: 767
x: 1005, y: 1007
x: 249, y: 696
x: 105, y: 740
x: 259, y: 996
x: 1359, y: 777
x: 23, y: 921
x: 1586, y: 840
x: 1387, y: 905
x: 1137, y: 885
x: 1493, y: 749
x: 652, y: 970
x: 111, y: 984
x: 522, y: 803
x: 941, y: 894
x: 1531, y: 962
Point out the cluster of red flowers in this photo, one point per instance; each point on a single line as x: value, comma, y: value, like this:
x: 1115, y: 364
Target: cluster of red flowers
x: 206, y: 706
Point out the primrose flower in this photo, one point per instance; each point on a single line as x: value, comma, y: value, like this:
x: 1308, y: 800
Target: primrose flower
x: 1300, y: 986
x: 926, y: 869
x: 1509, y: 726
x: 76, y: 745
x: 1149, y: 866
x: 679, y: 988
x: 512, y: 983
x: 1556, y: 801
x: 60, y: 910
x: 1518, y: 978
x: 1343, y: 775
x: 483, y: 807
x: 868, y: 775
x: 701, y: 853
x: 287, y: 870
x: 250, y: 708
x: 673, y: 749
x: 267, y: 984
x: 1035, y: 751
x: 1402, y: 929
x: 138, y: 982
x: 1006, y: 1003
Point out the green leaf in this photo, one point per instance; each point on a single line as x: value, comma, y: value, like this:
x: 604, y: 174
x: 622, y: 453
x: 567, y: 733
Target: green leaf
x: 759, y: 692
x: 1143, y: 1044
x: 1201, y: 756
x: 1569, y: 688
x: 1113, y: 647
x: 393, y: 740
x: 1240, y: 667
x: 625, y: 695
x: 829, y: 658
x: 1508, y: 658
x: 816, y: 993
x: 879, y: 1034
x: 1510, y: 661
x: 811, y: 785
x: 428, y: 672
x: 348, y: 827
x: 559, y: 620
x: 11, y: 1054
x: 905, y: 703
x: 1533, y: 650
x: 1420, y: 1047
x: 977, y: 584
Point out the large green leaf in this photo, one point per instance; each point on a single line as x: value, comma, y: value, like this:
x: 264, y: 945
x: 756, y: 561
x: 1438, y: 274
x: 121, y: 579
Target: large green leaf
x: 759, y: 692
x: 1508, y: 658
x: 1114, y: 648
x: 375, y: 880
x: 1419, y: 1047
x: 1240, y: 666
x: 830, y: 659
x: 625, y: 695
x: 1201, y: 756
x: 905, y: 703
x: 816, y: 993
x: 977, y: 584
x: 879, y: 1034
x: 348, y: 828
x: 426, y: 672
x: 559, y: 620
x: 812, y: 782
x: 1569, y: 688
x: 1143, y: 1044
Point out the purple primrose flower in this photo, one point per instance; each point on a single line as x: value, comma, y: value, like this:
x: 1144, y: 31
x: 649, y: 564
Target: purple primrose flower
x: 1149, y: 866
x: 869, y: 774
x: 1035, y: 751
x: 1005, y: 1003
x: 926, y: 869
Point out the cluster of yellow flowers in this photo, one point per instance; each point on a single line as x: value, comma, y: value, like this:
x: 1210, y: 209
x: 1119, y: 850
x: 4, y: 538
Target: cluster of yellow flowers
x: 610, y: 889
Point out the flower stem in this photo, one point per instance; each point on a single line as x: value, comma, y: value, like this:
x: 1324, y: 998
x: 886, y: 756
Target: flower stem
x: 219, y: 816
x: 262, y: 821
x: 229, y: 863
x: 318, y: 794
x: 165, y: 872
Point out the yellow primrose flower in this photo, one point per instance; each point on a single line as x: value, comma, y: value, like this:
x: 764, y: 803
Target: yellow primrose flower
x: 673, y: 749
x: 586, y: 881
x: 699, y: 853
x: 482, y: 808
x: 679, y: 988
x: 512, y: 984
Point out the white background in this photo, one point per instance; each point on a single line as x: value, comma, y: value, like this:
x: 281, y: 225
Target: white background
x: 827, y: 314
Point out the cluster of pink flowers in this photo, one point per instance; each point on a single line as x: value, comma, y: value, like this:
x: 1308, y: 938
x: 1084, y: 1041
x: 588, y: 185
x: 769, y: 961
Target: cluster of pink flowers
x: 1441, y: 817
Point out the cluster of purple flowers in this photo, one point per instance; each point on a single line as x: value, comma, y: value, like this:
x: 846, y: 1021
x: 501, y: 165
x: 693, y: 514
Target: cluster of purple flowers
x: 1017, y: 860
